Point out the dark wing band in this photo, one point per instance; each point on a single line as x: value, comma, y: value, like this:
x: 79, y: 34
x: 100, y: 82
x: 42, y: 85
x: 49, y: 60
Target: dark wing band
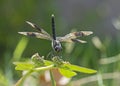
x: 78, y: 40
x: 72, y: 37
x: 42, y: 31
x: 35, y: 34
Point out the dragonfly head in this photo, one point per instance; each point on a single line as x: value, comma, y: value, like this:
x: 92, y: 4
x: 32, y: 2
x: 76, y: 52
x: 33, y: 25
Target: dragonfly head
x: 56, y: 45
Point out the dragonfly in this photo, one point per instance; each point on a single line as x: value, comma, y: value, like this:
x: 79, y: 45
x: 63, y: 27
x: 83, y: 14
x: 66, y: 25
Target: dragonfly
x: 56, y: 41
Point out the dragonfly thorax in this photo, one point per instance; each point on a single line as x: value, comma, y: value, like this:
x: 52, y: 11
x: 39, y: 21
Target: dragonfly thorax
x: 56, y: 45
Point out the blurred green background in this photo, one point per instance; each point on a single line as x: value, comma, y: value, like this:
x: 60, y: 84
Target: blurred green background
x: 102, y: 52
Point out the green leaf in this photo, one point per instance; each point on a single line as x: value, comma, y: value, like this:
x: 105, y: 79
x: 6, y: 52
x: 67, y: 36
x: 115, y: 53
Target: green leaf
x: 67, y: 73
x: 20, y: 48
x: 46, y: 62
x: 23, y: 65
x: 79, y: 69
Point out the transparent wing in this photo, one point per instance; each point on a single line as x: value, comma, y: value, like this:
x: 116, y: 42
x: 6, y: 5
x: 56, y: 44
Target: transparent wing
x: 35, y: 34
x: 42, y: 31
x: 72, y: 37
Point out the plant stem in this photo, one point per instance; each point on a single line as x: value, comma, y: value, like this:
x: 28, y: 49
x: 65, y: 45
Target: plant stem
x: 52, y: 79
x: 43, y: 68
x: 21, y: 80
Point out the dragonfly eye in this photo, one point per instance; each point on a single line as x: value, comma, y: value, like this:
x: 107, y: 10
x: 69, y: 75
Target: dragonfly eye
x: 56, y: 46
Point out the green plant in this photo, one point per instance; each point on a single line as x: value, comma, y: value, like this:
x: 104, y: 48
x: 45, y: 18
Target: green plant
x: 39, y: 64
